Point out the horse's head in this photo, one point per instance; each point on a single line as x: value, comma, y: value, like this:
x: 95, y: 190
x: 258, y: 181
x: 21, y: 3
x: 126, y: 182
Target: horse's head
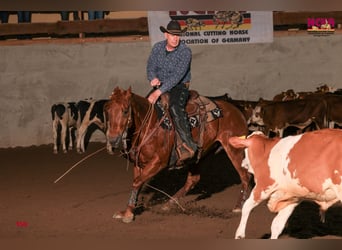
x: 118, y: 114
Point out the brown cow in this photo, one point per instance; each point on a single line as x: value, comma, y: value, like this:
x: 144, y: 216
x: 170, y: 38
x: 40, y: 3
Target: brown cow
x: 285, y: 96
x: 334, y: 106
x: 334, y: 115
x: 323, y: 89
x: 290, y: 94
x: 289, y: 170
x: 246, y: 107
x: 276, y: 116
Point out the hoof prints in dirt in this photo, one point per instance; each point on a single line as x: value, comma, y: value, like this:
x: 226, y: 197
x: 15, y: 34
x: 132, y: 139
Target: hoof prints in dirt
x: 200, y: 211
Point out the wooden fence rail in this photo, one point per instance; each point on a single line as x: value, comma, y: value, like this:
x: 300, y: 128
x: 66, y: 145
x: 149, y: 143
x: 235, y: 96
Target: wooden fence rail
x: 139, y: 26
x: 112, y: 26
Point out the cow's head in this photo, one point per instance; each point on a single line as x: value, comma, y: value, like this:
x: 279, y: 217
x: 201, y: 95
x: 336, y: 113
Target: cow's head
x: 256, y: 117
x: 246, y: 142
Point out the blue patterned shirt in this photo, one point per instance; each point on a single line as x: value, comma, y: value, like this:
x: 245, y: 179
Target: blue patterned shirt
x: 171, y: 68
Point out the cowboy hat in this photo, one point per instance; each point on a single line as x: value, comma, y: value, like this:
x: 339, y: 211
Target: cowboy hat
x: 173, y: 28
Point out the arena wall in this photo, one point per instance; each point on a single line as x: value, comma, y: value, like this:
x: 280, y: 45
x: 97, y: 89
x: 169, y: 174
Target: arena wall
x: 34, y: 76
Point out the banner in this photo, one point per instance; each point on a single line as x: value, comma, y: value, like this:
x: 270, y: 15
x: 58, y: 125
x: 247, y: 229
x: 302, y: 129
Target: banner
x: 215, y: 27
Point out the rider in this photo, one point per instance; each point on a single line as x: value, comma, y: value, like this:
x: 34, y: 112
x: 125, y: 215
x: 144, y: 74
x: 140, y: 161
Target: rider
x: 168, y: 70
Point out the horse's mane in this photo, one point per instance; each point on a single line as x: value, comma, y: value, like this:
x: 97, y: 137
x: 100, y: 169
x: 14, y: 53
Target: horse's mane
x: 120, y: 96
x: 140, y: 103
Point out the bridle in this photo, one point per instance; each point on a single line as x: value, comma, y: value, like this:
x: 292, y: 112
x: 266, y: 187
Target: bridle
x: 141, y: 138
x: 124, y: 135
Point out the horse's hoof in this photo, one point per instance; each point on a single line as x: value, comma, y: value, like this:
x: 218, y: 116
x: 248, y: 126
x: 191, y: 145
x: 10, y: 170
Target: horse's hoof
x: 166, y: 207
x: 128, y: 219
x: 110, y: 152
x: 123, y: 218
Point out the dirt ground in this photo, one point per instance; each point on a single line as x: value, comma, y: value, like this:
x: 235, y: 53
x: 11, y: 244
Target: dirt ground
x: 81, y: 204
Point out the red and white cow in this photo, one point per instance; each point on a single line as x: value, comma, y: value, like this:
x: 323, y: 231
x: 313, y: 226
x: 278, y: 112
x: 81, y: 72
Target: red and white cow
x: 289, y: 170
x: 65, y: 116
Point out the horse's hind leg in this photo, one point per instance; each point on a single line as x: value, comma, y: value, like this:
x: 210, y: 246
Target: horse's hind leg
x: 192, y: 179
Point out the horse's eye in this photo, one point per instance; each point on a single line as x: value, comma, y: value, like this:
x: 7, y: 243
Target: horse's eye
x: 125, y: 112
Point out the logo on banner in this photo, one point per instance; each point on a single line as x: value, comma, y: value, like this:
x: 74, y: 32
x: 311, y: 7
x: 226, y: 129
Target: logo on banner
x: 321, y: 26
x: 214, y: 27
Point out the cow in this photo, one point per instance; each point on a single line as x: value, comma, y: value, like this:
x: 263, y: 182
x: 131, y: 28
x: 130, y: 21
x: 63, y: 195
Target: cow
x: 290, y: 170
x: 91, y: 112
x: 333, y: 103
x: 334, y: 107
x: 246, y: 107
x: 321, y: 90
x: 300, y: 113
x: 290, y: 94
x: 287, y: 95
x: 64, y: 120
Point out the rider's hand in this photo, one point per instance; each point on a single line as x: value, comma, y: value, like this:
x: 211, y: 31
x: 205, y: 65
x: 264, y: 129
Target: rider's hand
x: 155, y: 82
x: 153, y: 97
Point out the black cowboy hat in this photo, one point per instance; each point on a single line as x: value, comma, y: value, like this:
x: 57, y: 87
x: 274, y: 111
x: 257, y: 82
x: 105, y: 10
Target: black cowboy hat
x: 173, y: 28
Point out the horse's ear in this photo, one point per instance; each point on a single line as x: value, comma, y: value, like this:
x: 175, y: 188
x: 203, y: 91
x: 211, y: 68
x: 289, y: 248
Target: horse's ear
x: 115, y: 90
x: 129, y: 89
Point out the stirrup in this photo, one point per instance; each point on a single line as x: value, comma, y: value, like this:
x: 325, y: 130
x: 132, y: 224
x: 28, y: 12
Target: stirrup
x: 174, y: 162
x: 185, y: 152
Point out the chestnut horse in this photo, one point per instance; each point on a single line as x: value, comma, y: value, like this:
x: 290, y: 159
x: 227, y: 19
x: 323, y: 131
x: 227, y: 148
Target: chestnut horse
x: 152, y: 144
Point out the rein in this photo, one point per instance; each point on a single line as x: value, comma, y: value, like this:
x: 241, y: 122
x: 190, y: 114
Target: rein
x: 146, y: 122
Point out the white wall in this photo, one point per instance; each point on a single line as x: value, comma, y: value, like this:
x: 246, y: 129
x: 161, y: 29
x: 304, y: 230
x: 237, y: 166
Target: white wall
x: 33, y: 77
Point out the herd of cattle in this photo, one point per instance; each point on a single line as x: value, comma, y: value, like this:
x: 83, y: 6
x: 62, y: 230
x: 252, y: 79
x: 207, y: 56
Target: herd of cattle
x: 68, y: 117
x: 290, y: 169
x: 290, y: 112
x: 283, y: 166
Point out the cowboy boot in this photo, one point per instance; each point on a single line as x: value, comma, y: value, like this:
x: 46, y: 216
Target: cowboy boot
x: 186, y: 148
x: 174, y: 162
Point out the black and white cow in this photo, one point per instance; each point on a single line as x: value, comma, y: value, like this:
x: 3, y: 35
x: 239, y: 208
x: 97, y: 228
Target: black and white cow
x: 65, y: 119
x: 91, y: 112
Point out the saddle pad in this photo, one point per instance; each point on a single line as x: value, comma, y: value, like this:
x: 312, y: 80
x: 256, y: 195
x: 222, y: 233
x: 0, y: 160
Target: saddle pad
x: 193, y: 108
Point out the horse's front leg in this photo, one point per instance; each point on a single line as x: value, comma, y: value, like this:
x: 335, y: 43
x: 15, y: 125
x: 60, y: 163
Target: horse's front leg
x: 127, y: 216
x: 191, y: 181
x: 140, y: 176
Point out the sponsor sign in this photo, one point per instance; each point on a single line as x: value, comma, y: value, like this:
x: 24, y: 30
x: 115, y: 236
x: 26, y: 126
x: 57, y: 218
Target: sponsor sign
x: 321, y: 26
x: 215, y: 27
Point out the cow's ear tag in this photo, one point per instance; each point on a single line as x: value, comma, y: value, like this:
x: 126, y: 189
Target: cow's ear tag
x: 242, y: 137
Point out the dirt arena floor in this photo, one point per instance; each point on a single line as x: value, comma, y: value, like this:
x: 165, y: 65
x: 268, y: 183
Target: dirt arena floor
x: 81, y: 204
